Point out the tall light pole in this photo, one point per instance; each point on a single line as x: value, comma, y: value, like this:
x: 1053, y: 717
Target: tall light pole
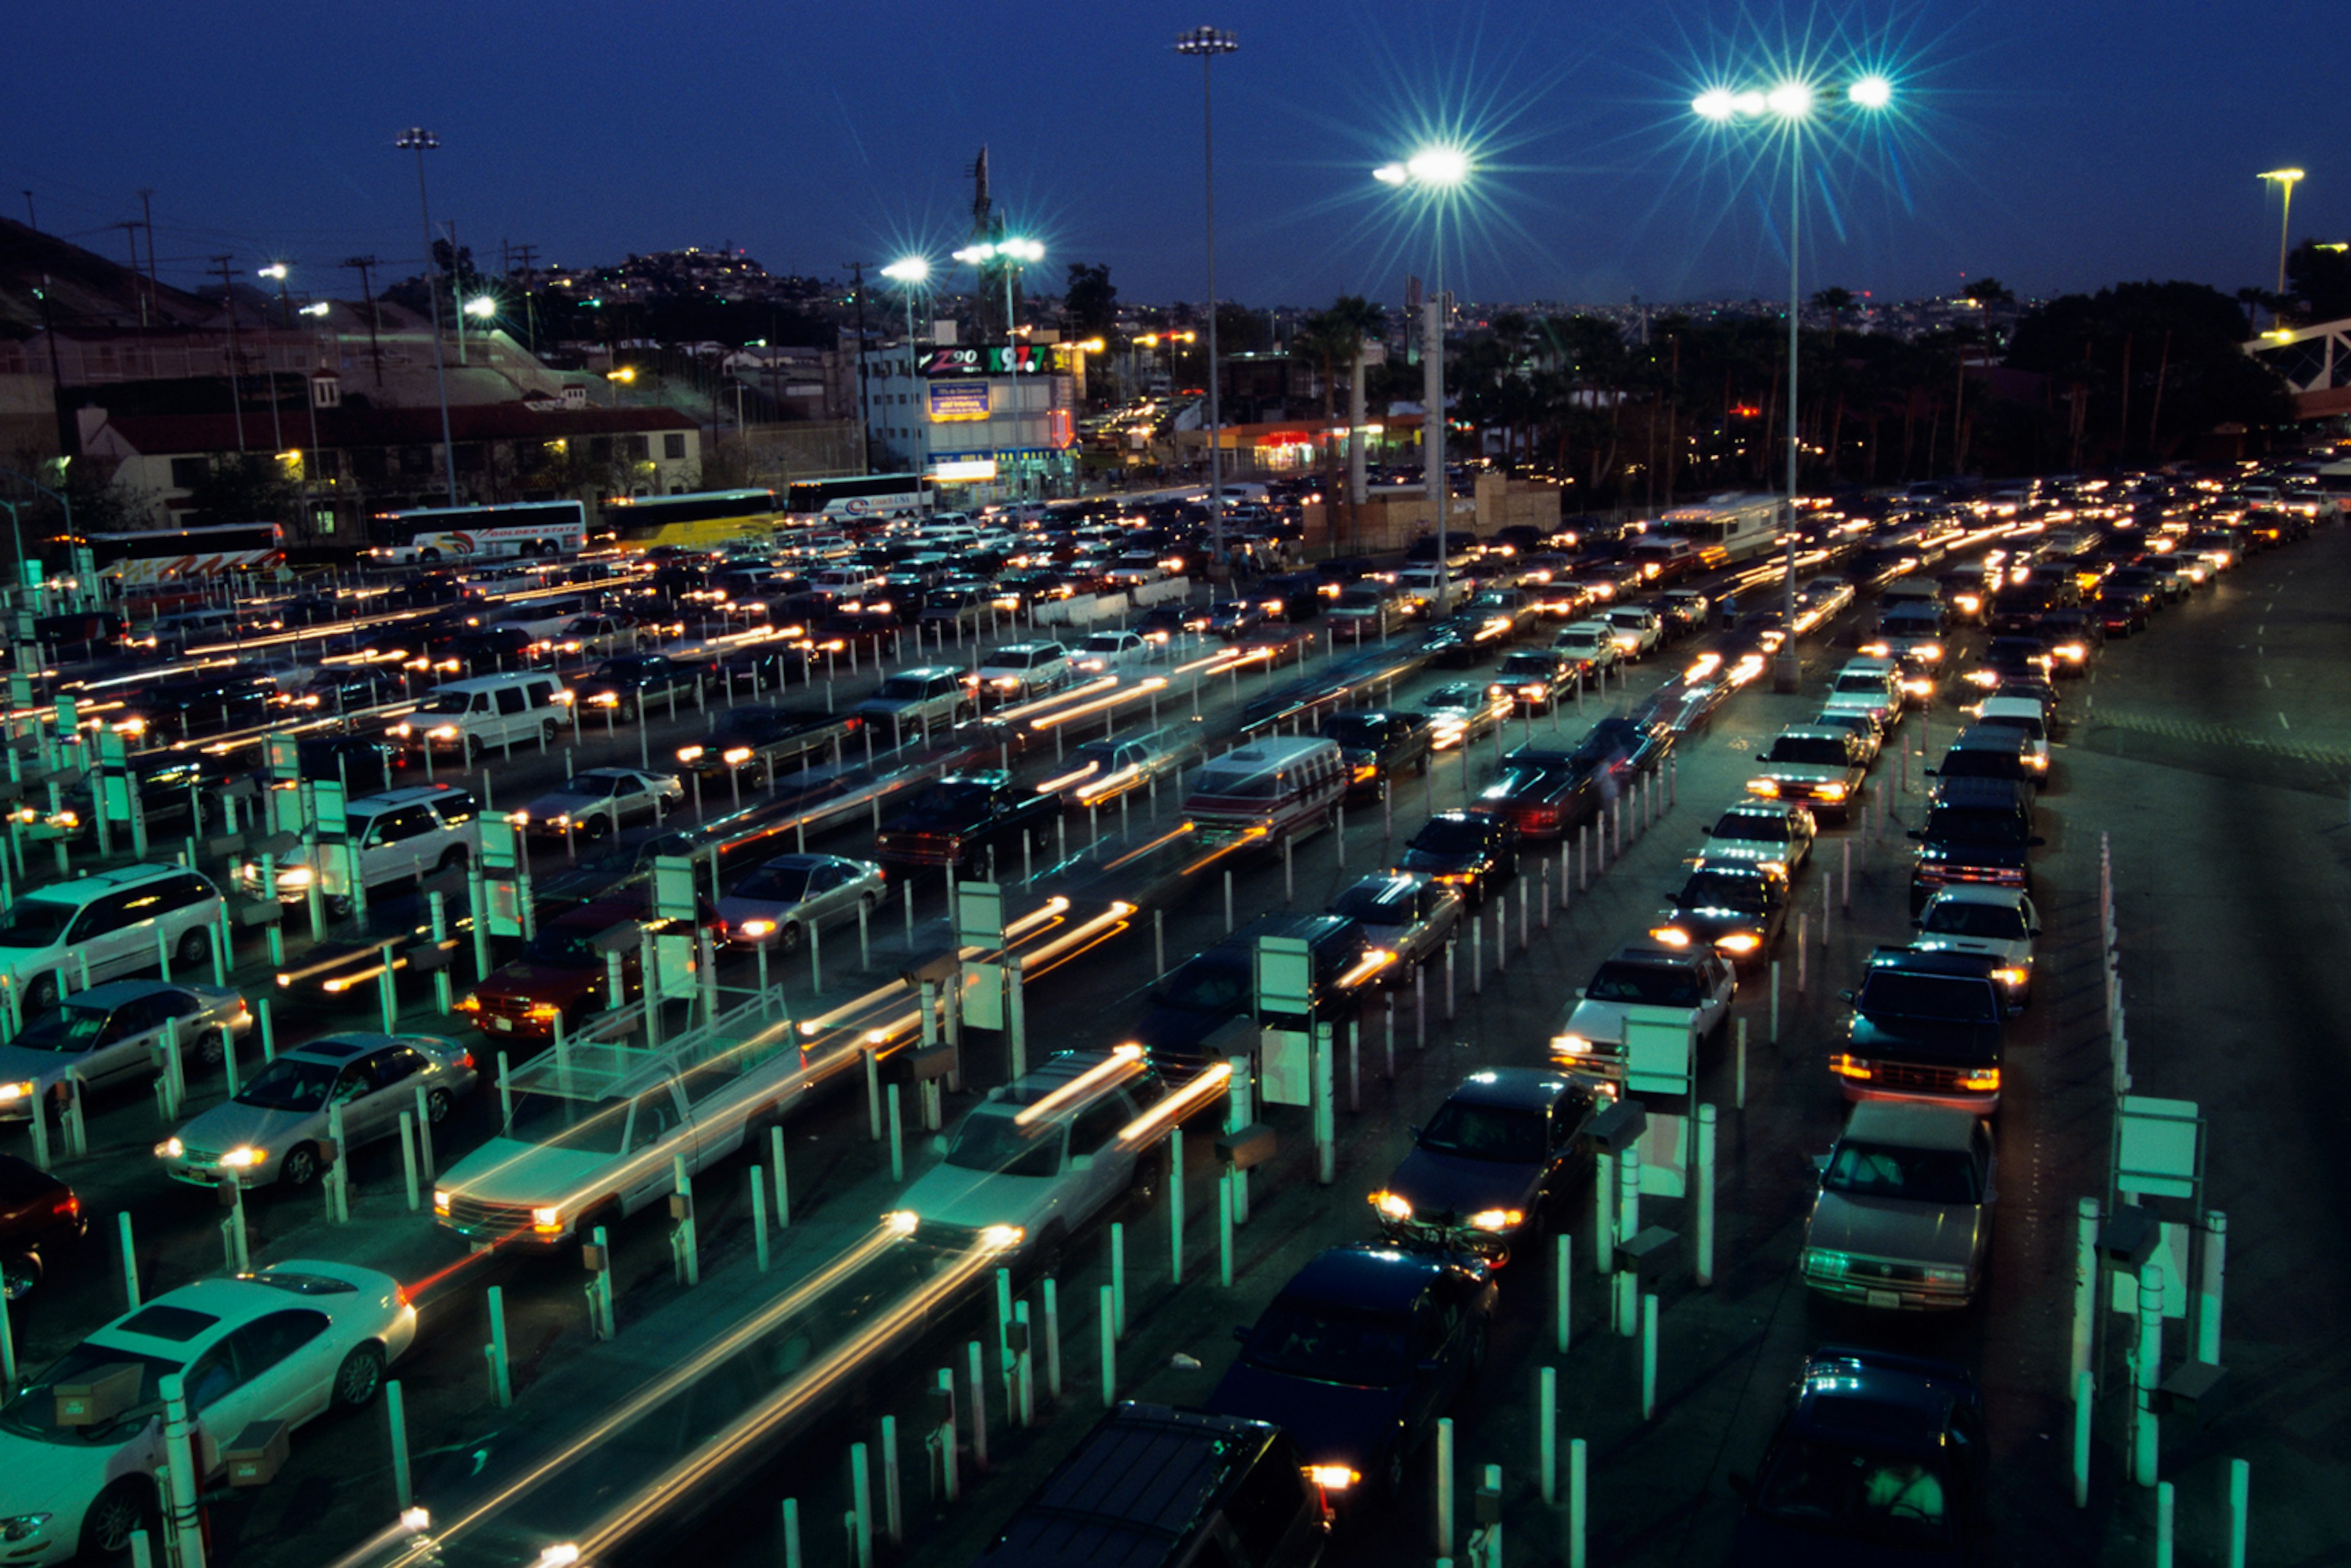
x: 1208, y: 43
x: 909, y: 273
x: 1012, y: 253
x: 275, y: 269
x: 1790, y: 103
x: 2285, y: 179
x: 419, y: 141
x: 1435, y: 173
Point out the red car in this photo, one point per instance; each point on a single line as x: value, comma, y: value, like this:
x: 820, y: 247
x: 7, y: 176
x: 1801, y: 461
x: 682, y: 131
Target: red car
x: 39, y: 1217
x: 563, y: 971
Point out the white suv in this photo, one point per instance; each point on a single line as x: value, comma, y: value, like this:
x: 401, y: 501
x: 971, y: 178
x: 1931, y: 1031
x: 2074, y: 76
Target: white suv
x: 105, y: 925
x: 1019, y: 670
x: 399, y: 835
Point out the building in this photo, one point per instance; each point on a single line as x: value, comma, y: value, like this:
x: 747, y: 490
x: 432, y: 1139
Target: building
x: 989, y: 424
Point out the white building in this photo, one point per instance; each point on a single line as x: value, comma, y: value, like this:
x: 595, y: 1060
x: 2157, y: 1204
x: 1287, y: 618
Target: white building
x: 987, y: 423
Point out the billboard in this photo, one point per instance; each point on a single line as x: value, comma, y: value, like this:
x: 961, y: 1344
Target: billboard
x: 956, y: 401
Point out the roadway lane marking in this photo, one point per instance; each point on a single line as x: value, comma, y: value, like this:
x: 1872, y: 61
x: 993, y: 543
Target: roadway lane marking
x: 2267, y: 681
x: 2281, y: 722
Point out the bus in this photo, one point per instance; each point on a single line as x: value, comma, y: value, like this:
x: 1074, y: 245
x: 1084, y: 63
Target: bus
x: 704, y: 517
x: 870, y: 497
x: 434, y: 534
x: 1740, y: 526
x: 153, y: 558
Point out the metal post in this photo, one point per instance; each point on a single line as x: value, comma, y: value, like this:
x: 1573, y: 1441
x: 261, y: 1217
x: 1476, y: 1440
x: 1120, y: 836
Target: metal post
x: 2087, y: 1214
x: 1848, y: 866
x: 408, y: 1159
x: 2207, y: 1300
x: 1547, y: 1433
x: 395, y: 1408
x: 1648, y: 1354
x: 2085, y: 1408
x: 1704, y: 1175
x: 2240, y: 1499
x: 783, y: 1183
x: 897, y: 1140
x: 1775, y: 1001
x: 1738, y: 1083
x: 759, y: 1216
x: 1024, y: 1365
x: 1225, y: 1227
x: 2147, y: 1372
x: 1603, y: 1213
x: 893, y: 1515
x: 1444, y: 1519
x: 1118, y: 1273
x: 181, y: 1516
x: 978, y: 1374
x: 1628, y: 1224
x: 942, y: 1434
x: 1578, y: 1506
x: 1052, y: 1338
x: 1109, y: 1334
x: 130, y: 1262
x: 861, y: 1505
x: 1228, y: 901
x: 2164, y: 1528
x: 1326, y: 1118
x: 501, y: 1371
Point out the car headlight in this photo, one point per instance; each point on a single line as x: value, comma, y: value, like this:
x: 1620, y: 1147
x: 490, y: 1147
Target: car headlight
x: 547, y: 1221
x: 2011, y: 975
x: 1569, y: 1045
x: 440, y: 1201
x: 1392, y: 1205
x: 1828, y: 1264
x: 1497, y: 1219
x: 1671, y: 935
x: 1982, y: 1081
x: 242, y: 1158
x: 296, y: 876
x: 1330, y: 1478
x: 1767, y: 787
x: 1946, y: 1276
x: 442, y: 732
x: 756, y: 927
x: 12, y: 1093
x: 1739, y: 942
x: 691, y: 754
x: 25, y: 1526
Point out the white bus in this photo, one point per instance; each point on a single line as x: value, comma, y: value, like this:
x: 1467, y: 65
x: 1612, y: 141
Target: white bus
x: 432, y: 535
x: 868, y: 497
x: 156, y: 558
x: 1740, y: 526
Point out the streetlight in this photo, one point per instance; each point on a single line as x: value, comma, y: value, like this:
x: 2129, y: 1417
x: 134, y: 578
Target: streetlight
x: 1791, y: 103
x: 1013, y: 253
x: 419, y: 141
x: 1208, y: 43
x: 277, y: 270
x: 481, y: 308
x: 2285, y: 179
x: 909, y: 273
x: 1436, y: 172
x: 625, y: 373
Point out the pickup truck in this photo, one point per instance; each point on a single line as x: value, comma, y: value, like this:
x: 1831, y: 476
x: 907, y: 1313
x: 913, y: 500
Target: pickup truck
x: 750, y: 740
x: 956, y: 819
x: 634, y: 682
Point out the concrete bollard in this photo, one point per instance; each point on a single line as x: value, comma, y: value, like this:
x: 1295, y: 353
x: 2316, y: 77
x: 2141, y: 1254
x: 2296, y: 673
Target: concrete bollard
x: 1738, y: 1065
x: 396, y: 1410
x: 1109, y: 1334
x: 2241, y: 1499
x: 2084, y: 1410
x: 501, y: 1373
x: 1547, y: 1434
x: 1578, y: 1506
x: 1443, y: 1520
x: 1052, y: 1338
x: 1118, y: 1274
x: 2146, y: 1374
x: 1648, y: 1354
x: 976, y: 1373
x: 408, y: 1159
x: 1704, y: 1177
x: 1175, y: 1205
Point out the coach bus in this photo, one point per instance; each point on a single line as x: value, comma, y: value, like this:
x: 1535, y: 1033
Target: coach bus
x: 463, y: 534
x: 868, y: 498
x: 704, y: 517
x: 1740, y: 526
x: 152, y: 559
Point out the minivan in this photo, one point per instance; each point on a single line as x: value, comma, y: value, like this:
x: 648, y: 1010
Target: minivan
x: 1271, y: 789
x: 72, y: 935
x: 471, y: 717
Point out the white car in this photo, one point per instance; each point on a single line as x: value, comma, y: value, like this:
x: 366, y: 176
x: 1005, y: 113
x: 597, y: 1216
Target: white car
x: 104, y: 925
x: 1593, y: 641
x: 915, y: 699
x: 1873, y: 686
x: 396, y: 836
x: 2019, y: 713
x: 80, y: 1443
x: 1696, y: 982
x: 1638, y: 631
x: 1018, y: 671
x: 1111, y: 651
x: 1041, y: 1155
x: 597, y: 801
x: 784, y: 897
x: 1770, y: 833
x: 1976, y: 917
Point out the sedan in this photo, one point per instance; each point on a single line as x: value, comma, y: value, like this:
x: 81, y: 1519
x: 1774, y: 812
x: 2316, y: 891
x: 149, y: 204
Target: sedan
x: 786, y: 897
x: 1543, y: 793
x: 598, y: 800
x: 1496, y: 1161
x: 1535, y: 679
x: 1408, y: 915
x: 1459, y: 714
x: 1358, y: 1358
x: 278, y: 1127
x: 1737, y: 907
x: 1904, y: 1217
x: 39, y: 1217
x: 1822, y: 768
x: 1777, y: 834
x: 112, y: 1034
x: 1464, y: 850
x: 80, y: 1444
x: 1999, y: 922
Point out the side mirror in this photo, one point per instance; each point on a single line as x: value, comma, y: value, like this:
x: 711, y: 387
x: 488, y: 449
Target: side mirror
x: 1821, y: 1164
x: 1579, y: 993
x: 1706, y: 833
x: 2033, y: 931
x: 1413, y: 1131
x: 938, y: 1145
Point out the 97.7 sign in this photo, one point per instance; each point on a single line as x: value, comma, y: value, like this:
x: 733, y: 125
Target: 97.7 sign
x: 1019, y: 359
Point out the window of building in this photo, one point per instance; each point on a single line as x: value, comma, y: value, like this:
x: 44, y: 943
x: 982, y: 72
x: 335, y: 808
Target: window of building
x: 187, y: 473
x: 599, y: 449
x: 416, y: 460
x: 638, y: 447
x: 674, y: 447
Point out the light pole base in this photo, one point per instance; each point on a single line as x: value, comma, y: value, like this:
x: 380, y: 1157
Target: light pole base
x: 1786, y: 672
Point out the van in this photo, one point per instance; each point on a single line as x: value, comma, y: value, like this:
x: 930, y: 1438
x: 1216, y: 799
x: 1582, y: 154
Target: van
x: 471, y: 717
x: 397, y: 836
x: 1991, y: 751
x: 71, y: 935
x: 541, y: 617
x: 1271, y: 790
x: 1591, y: 643
x: 1155, y: 1487
x: 1977, y: 830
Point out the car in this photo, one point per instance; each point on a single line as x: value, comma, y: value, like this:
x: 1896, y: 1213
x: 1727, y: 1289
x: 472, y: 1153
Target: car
x: 756, y: 745
x: 1617, y: 749
x: 598, y: 801
x: 2023, y: 714
x: 1358, y: 1357
x: 1927, y: 1028
x: 1167, y: 623
x: 1106, y: 651
x: 1211, y: 988
x: 1821, y: 768
x: 1903, y: 1219
x: 284, y: 1344
x: 1534, y: 679
x: 1638, y: 629
x: 1469, y: 636
x: 1992, y: 751
x: 2011, y: 659
x: 1997, y: 922
x: 1380, y: 745
x: 351, y: 953
x: 1696, y: 981
x: 102, y: 925
x: 784, y: 898
x: 1592, y: 643
x: 1881, y: 1457
x: 563, y: 972
x: 1233, y: 618
x: 1495, y: 1163
x: 629, y: 684
x: 1102, y: 770
x: 1685, y: 609
x: 40, y: 1219
x: 1461, y: 713
x: 113, y: 1034
x: 1015, y: 672
x: 1737, y: 907
x: 399, y: 835
x: 1467, y: 850
x: 1976, y: 831
x: 961, y: 818
x: 915, y: 700
x: 276, y: 1128
x: 1873, y: 686
x: 1041, y: 1156
x: 1773, y: 833
x: 1409, y: 915
x: 1863, y: 728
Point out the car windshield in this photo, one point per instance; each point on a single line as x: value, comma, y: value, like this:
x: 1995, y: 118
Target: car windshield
x: 289, y: 1083
x: 1807, y: 749
x: 1722, y: 890
x: 1525, y: 667
x: 1208, y: 985
x: 1656, y: 985
x: 1752, y: 825
x: 1457, y: 699
x: 1980, y: 762
x: 1875, y: 684
x: 1485, y: 1132
x: 998, y: 1142
x: 1104, y: 642
x: 953, y: 799
x: 70, y: 1027
x: 555, y: 1122
x: 36, y: 922
x: 34, y: 1412
x: 1933, y: 999
x: 776, y: 883
x: 1849, y: 1491
x: 1918, y: 1176
x: 1969, y: 825
x: 1329, y: 1343
x: 904, y: 687
x: 1374, y: 903
x: 1965, y: 917
x: 1451, y: 836
x: 2029, y: 722
x: 450, y: 702
x: 565, y: 948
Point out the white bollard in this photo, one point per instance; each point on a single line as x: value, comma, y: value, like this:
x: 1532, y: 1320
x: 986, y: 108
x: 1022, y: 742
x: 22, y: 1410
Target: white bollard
x: 2146, y: 1374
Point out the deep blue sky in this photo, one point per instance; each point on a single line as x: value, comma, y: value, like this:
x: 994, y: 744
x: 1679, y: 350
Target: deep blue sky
x: 2058, y: 144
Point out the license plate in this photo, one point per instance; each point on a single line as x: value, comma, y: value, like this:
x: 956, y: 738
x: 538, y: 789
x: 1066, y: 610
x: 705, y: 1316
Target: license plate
x: 506, y: 1024
x: 1883, y: 1299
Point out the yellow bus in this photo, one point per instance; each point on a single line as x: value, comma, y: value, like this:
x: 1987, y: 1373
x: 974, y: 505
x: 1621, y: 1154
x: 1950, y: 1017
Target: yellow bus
x: 703, y: 517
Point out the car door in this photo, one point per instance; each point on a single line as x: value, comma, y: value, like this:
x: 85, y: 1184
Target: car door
x: 393, y: 1072
x: 354, y: 1090
x: 659, y: 1132
x: 285, y: 1367
x: 1431, y: 1326
x: 113, y: 936
x: 211, y: 1384
x: 123, y: 1047
x: 1093, y: 1144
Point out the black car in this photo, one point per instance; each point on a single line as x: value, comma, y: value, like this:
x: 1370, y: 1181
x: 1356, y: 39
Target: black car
x: 1977, y: 830
x: 1926, y: 1026
x: 1991, y: 751
x: 352, y: 952
x: 1379, y: 745
x: 633, y: 682
x: 1737, y: 907
x: 1214, y: 987
x: 957, y: 819
x: 40, y: 1218
x: 170, y: 782
x: 1358, y: 1358
x: 1467, y: 849
x: 190, y: 706
x: 1536, y: 678
x: 364, y: 763
x: 750, y: 742
x: 1880, y: 1460
x: 1618, y: 748
x: 1541, y: 793
x: 1495, y: 1164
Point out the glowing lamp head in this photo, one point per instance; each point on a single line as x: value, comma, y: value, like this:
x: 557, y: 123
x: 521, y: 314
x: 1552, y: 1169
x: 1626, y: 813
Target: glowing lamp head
x: 1438, y: 166
x: 1790, y: 101
x: 1391, y: 174
x: 1749, y: 104
x: 912, y: 270
x: 1716, y: 103
x: 1870, y: 92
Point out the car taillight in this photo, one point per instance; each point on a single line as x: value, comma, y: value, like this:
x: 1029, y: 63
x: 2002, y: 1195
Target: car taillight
x: 70, y: 1204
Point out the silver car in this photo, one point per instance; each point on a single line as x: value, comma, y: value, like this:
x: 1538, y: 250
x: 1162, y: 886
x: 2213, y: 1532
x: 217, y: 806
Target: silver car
x: 593, y: 803
x: 276, y: 1129
x: 112, y: 1034
x: 1404, y: 912
x: 1904, y: 1217
x: 1769, y: 833
x: 782, y: 898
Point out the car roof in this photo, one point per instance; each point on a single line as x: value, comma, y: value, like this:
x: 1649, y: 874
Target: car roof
x: 408, y: 795
x: 341, y: 1047
x: 1934, y: 961
x: 1779, y: 811
x: 1990, y: 737
x: 116, y: 993
x: 1525, y: 1088
x: 1815, y: 732
x: 1983, y: 792
x: 1366, y: 1276
x: 1978, y: 892
x: 1911, y: 1126
x: 1878, y: 1399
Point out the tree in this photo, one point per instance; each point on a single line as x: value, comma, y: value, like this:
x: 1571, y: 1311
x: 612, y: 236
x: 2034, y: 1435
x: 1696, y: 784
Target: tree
x: 250, y: 487
x: 2319, y: 281
x: 1330, y: 340
x: 1090, y: 301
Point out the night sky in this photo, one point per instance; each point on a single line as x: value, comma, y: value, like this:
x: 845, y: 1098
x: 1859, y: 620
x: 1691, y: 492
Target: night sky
x: 2057, y: 144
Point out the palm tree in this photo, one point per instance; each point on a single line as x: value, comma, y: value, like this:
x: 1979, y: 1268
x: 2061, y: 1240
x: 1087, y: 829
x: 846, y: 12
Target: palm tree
x: 1332, y: 340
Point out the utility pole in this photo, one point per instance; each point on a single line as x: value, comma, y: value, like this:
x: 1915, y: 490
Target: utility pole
x: 367, y: 292
x: 31, y: 222
x: 228, y: 299
x: 529, y: 254
x: 864, y: 413
x: 129, y: 227
x: 147, y: 218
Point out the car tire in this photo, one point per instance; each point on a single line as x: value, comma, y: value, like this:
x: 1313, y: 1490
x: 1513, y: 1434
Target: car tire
x: 454, y: 856
x: 473, y: 749
x: 299, y: 1168
x: 788, y: 936
x: 595, y: 827
x: 361, y: 1377
x: 193, y: 947
x: 436, y: 1106
x: 19, y: 1274
x: 115, y: 1514
x: 547, y: 732
x: 207, y: 1047
x: 41, y: 995
x: 628, y: 710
